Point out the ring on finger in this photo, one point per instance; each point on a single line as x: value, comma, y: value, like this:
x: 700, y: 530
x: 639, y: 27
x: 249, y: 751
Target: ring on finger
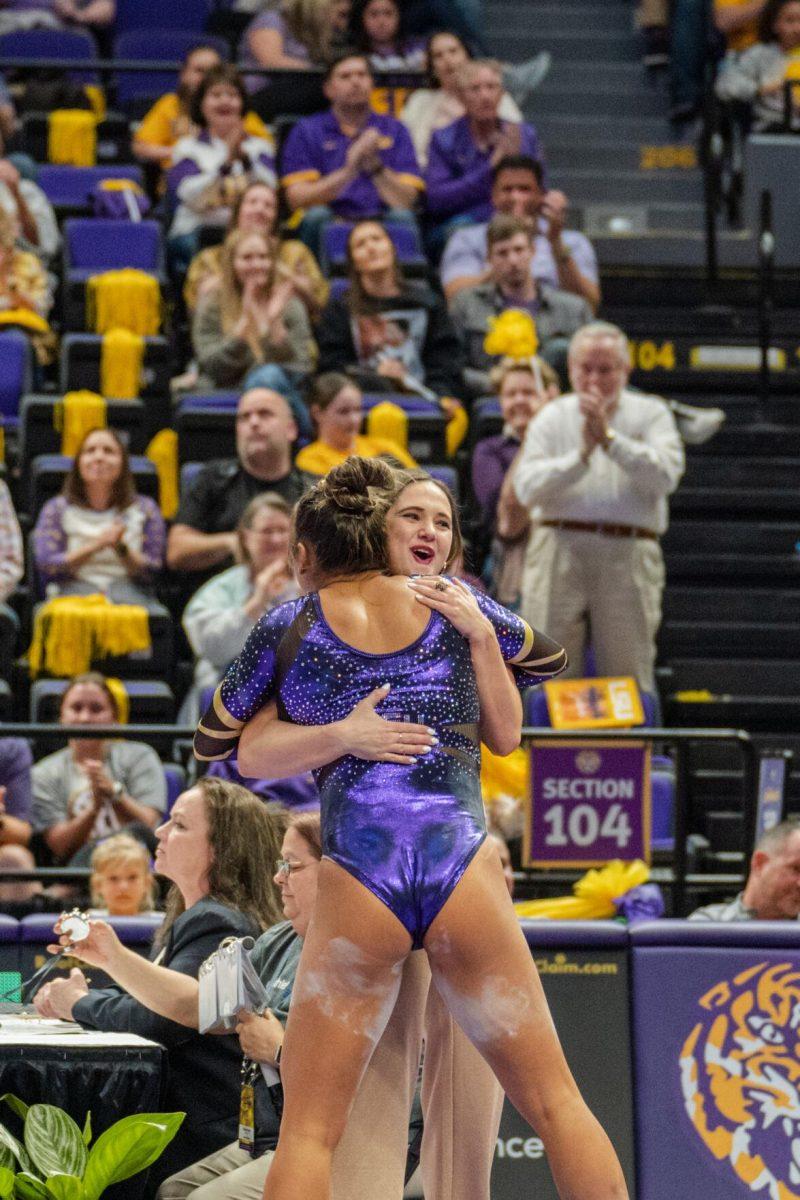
x: 441, y: 585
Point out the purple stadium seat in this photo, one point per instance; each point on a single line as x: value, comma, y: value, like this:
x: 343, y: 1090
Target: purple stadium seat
x: 16, y: 375
x: 447, y: 476
x: 92, y: 245
x: 156, y: 16
x: 53, y: 43
x: 224, y: 400
x: 175, y: 777
x: 151, y: 701
x: 9, y: 928
x: 69, y: 187
x: 135, y: 89
x: 333, y: 255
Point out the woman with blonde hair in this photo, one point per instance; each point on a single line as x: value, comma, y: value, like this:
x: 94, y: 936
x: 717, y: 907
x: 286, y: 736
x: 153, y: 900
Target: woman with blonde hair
x: 253, y: 320
x: 256, y: 210
x: 121, y: 883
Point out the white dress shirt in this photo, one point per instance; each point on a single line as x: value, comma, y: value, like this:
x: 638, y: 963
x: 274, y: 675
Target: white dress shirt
x: 625, y: 484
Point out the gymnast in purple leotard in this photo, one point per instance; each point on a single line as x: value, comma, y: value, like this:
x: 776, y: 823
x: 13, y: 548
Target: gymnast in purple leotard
x: 407, y: 833
x: 412, y: 835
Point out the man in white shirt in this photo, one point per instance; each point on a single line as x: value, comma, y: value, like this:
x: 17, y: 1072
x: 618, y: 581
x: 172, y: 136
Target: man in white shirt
x: 595, y: 471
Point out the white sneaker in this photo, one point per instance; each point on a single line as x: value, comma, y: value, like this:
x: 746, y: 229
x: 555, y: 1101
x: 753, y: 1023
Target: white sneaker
x: 521, y: 79
x: 697, y: 425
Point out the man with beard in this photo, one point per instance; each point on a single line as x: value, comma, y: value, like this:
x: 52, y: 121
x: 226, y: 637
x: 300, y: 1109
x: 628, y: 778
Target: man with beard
x: 204, y: 538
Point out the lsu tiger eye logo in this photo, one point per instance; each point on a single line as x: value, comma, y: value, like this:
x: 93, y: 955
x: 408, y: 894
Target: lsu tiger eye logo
x: 740, y: 1077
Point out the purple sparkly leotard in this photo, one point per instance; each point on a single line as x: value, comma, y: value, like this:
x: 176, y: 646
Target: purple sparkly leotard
x: 407, y: 833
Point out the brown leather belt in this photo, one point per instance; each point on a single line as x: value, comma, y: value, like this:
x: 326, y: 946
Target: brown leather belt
x: 618, y: 531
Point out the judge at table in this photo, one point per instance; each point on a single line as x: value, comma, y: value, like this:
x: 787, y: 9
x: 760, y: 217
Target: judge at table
x: 220, y: 849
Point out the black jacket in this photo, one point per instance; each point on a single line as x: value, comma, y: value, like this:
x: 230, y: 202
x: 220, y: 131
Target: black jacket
x: 440, y: 352
x: 204, y: 1071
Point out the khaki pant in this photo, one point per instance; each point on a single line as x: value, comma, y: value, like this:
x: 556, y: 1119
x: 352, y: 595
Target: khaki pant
x: 461, y: 1099
x: 578, y: 587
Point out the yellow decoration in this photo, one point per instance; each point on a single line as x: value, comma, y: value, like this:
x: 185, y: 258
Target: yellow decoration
x: 97, y: 98
x: 75, y: 416
x: 512, y: 334
x: 25, y: 318
x: 72, y: 137
x: 387, y: 420
x: 121, y: 358
x: 699, y: 696
x: 70, y: 632
x: 507, y: 776
x: 127, y: 299
x: 594, y: 894
x: 163, y: 454
x: 121, y: 698
x: 455, y: 430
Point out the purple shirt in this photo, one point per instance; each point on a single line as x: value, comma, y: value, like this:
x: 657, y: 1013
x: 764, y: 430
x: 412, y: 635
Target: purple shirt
x: 465, y: 255
x: 50, y: 538
x: 318, y: 145
x: 491, y: 458
x: 15, y: 776
x: 459, y: 173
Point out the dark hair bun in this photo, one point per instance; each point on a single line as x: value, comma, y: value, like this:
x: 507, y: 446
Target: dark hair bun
x: 351, y: 486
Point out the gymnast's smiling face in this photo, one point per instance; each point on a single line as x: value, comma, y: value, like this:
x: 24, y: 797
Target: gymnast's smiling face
x: 419, y: 529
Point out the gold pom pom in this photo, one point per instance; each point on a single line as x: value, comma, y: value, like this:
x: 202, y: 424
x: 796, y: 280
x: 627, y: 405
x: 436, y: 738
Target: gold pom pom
x: 512, y: 334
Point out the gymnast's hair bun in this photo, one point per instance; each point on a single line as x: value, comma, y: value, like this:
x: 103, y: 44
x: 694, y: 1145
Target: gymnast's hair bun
x: 357, y: 485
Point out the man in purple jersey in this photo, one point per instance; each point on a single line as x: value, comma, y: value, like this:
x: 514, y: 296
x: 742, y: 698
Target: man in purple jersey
x: 349, y: 162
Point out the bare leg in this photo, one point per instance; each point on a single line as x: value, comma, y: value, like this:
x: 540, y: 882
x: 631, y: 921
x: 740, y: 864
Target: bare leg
x: 485, y: 972
x: 343, y: 996
x: 370, y: 1160
x: 462, y: 1103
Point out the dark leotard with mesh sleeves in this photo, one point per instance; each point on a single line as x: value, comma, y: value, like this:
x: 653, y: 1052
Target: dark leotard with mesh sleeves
x: 407, y: 832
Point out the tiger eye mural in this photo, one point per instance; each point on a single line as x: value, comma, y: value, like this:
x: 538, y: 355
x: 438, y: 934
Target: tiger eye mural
x: 740, y: 1077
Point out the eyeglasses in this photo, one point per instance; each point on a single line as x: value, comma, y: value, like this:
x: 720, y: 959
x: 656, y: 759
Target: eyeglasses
x: 286, y: 868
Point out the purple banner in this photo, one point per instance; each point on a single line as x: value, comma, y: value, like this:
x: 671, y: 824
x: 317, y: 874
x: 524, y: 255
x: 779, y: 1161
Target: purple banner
x: 590, y: 803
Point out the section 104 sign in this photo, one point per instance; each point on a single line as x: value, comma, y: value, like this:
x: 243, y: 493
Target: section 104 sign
x: 589, y: 803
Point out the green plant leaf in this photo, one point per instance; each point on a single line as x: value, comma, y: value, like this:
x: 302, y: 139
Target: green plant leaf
x: 14, y: 1103
x: 87, y: 1129
x: 6, y: 1183
x: 65, y: 1187
x: 28, y: 1187
x: 54, y: 1141
x: 128, y: 1146
x: 7, y: 1159
x: 20, y: 1154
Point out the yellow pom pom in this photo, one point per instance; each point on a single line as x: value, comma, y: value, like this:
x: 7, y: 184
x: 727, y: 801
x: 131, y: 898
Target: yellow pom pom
x: 512, y: 334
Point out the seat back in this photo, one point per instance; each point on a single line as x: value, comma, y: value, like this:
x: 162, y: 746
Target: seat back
x: 135, y: 89
x: 156, y: 17
x: 151, y: 701
x: 52, y: 43
x: 48, y: 472
x: 79, y: 367
x: 16, y: 372
x: 69, y: 187
x: 105, y: 245
x: 333, y: 252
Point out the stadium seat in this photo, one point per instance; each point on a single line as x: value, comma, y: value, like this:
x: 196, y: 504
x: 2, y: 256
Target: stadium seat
x: 16, y: 376
x: 113, y: 144
x: 189, y: 472
x: 80, y: 367
x: 6, y: 701
x: 426, y: 424
x: 205, y: 433
x: 137, y: 90
x: 38, y: 435
x: 175, y: 778
x: 447, y: 476
x: 9, y: 634
x: 68, y: 188
x: 155, y: 16
x: 92, y: 246
x: 220, y: 399
x: 151, y: 701
x: 333, y: 251
x: 47, y: 473
x: 53, y: 43
x: 486, y: 419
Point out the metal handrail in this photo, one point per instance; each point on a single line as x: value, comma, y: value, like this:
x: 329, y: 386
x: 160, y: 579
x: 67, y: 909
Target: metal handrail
x: 678, y: 878
x: 108, y: 66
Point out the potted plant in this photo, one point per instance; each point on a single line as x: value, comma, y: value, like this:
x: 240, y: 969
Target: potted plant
x: 56, y: 1161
